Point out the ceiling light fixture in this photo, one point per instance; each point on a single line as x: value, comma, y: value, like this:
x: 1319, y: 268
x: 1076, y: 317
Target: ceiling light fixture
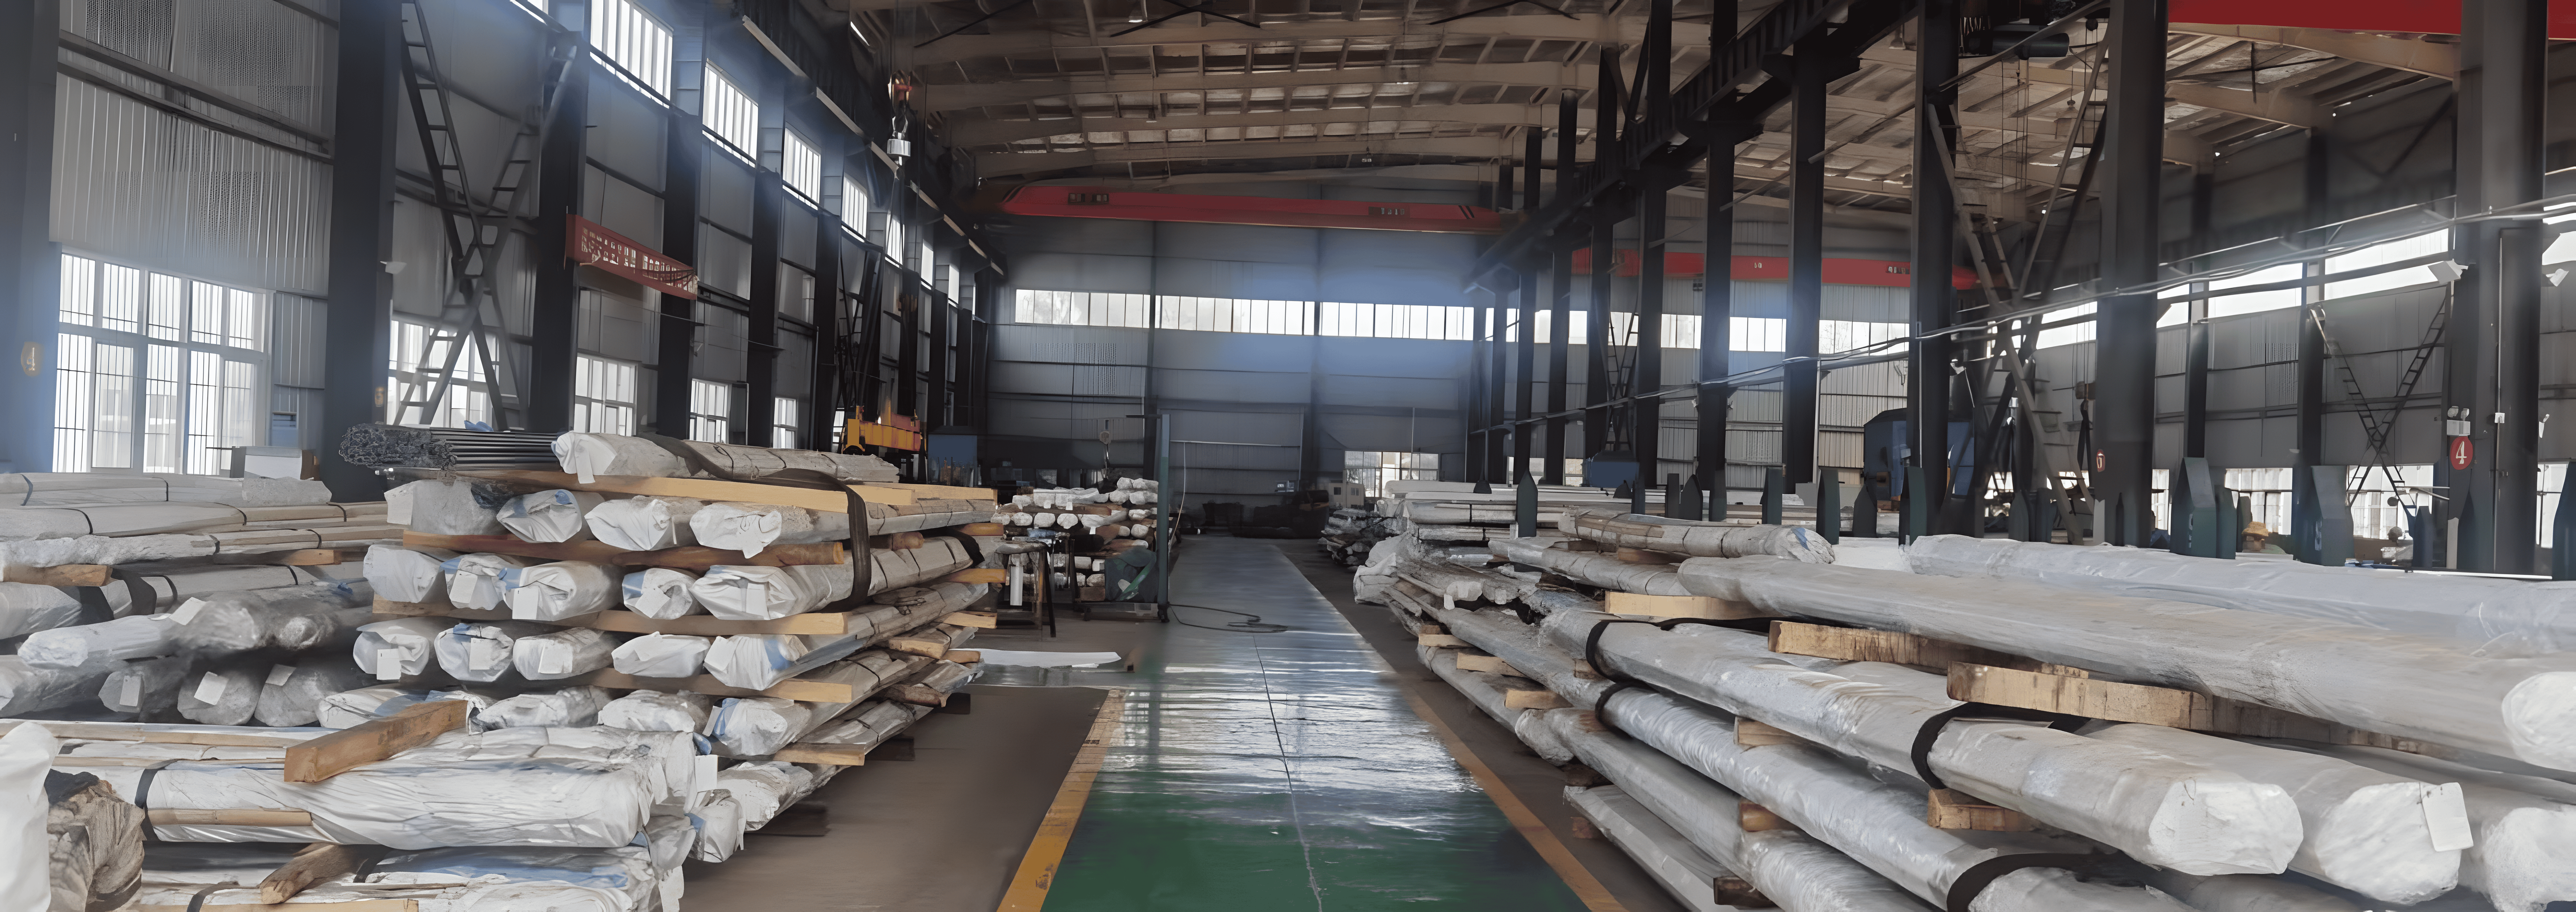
x: 1139, y: 14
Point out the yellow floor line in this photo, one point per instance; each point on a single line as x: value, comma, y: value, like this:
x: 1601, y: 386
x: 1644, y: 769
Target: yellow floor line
x: 1046, y: 850
x: 1577, y: 877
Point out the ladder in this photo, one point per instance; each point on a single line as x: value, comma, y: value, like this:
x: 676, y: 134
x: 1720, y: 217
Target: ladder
x: 2374, y: 427
x: 475, y: 227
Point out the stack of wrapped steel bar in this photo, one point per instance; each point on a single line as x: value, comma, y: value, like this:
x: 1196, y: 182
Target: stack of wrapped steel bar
x: 588, y: 677
x: 1997, y: 725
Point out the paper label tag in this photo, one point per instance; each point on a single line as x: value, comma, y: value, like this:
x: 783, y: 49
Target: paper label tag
x: 481, y: 653
x: 706, y: 772
x: 132, y: 694
x: 388, y: 664
x: 188, y: 610
x: 398, y: 506
x: 210, y: 689
x: 2446, y: 817
x: 553, y: 661
x: 278, y: 674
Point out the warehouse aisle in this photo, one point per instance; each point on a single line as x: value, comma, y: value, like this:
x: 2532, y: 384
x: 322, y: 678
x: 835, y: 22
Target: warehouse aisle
x: 1283, y: 771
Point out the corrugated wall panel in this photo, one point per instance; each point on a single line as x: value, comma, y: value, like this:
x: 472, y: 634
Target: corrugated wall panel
x: 134, y: 183
x: 795, y: 363
x: 295, y: 340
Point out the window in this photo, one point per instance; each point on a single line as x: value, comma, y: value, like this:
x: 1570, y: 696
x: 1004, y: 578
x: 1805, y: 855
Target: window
x: 1397, y: 321
x: 730, y: 115
x: 710, y: 410
x: 1372, y: 470
x: 2256, y: 302
x: 801, y: 167
x: 1083, y: 308
x: 2267, y: 492
x: 854, y: 205
x: 2066, y: 335
x: 1291, y: 318
x: 2430, y: 242
x: 783, y: 423
x: 892, y: 237
x: 635, y: 44
x: 419, y: 354
x: 1847, y: 335
x: 2374, y: 517
x: 1757, y: 334
x: 2174, y: 313
x: 795, y: 293
x: 123, y: 402
x: 603, y: 396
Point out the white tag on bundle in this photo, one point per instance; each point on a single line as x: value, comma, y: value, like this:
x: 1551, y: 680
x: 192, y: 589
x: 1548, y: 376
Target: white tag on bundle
x: 210, y: 689
x: 705, y: 766
x: 278, y: 674
x: 188, y: 610
x: 398, y: 506
x: 132, y: 694
x: 388, y: 664
x: 481, y: 653
x: 553, y: 661
x: 2446, y: 816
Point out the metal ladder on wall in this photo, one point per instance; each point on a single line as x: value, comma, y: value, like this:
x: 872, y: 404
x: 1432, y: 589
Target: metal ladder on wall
x: 2375, y: 428
x: 475, y: 228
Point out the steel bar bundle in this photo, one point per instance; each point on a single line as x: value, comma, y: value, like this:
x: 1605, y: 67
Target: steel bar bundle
x: 384, y: 445
x: 46, y: 489
x: 100, y: 549
x: 1593, y: 568
x: 587, y: 455
x: 2408, y: 686
x: 1699, y: 539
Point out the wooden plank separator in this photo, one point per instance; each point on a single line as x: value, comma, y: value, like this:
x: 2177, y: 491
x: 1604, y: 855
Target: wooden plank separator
x: 368, y: 742
x: 1856, y: 645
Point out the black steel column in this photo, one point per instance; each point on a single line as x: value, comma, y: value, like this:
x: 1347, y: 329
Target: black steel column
x: 1596, y: 318
x: 825, y: 396
x: 1646, y: 414
x: 2195, y: 358
x: 1560, y: 268
x: 1477, y: 418
x: 2308, y: 446
x: 684, y: 153
x: 31, y: 271
x: 554, y: 333
x: 1812, y: 73
x: 1525, y: 352
x: 2502, y: 90
x: 1716, y: 326
x: 768, y: 206
x: 1498, y: 390
x: 1936, y: 250
x: 2124, y: 407
x: 359, y: 328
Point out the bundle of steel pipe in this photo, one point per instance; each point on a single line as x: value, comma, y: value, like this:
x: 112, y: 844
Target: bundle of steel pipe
x: 384, y: 446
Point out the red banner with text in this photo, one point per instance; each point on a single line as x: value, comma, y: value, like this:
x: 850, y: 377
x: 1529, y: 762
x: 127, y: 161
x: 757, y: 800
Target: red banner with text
x: 592, y: 244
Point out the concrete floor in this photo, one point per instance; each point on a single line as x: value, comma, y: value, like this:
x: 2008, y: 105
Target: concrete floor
x: 1257, y: 771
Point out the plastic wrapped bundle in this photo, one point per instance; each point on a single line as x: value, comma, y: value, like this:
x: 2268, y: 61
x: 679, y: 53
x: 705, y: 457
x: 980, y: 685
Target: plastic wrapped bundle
x: 294, y: 619
x: 225, y: 695
x: 549, y: 516
x: 1612, y: 526
x: 661, y: 655
x: 765, y: 788
x: 562, y: 653
x: 2523, y: 825
x: 1592, y: 569
x: 660, y: 593
x: 756, y: 726
x: 1683, y: 870
x: 367, y: 704
x: 439, y: 507
x: 481, y: 582
x: 563, y: 590
x: 25, y: 689
x: 2408, y: 686
x: 26, y: 523
x: 102, y: 549
x: 291, y: 695
x: 653, y: 710
x: 45, y: 489
x: 937, y: 557
x: 758, y: 661
x: 588, y: 454
x: 2384, y: 836
x: 407, y: 573
x: 719, y: 824
x: 142, y: 636
x: 764, y: 593
x: 470, y: 879
x: 479, y: 652
x: 397, y: 649
x: 646, y: 523
x: 149, y: 687
x: 571, y: 707
x: 749, y: 528
x: 26, y: 608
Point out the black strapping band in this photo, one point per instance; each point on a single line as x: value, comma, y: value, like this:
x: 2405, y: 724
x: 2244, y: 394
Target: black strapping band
x: 143, y: 799
x: 1620, y: 682
x: 1931, y: 730
x: 1963, y: 891
x: 197, y: 903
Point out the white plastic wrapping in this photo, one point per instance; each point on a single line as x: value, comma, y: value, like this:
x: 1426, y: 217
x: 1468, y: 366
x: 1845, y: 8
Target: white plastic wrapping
x: 571, y: 707
x: 765, y: 788
x: 149, y: 687
x: 26, y: 755
x: 292, y: 618
x: 1682, y: 869
x: 562, y: 653
x: 442, y: 507
x: 2397, y: 684
x: 563, y: 590
x: 662, y: 655
x: 2161, y: 809
x: 1616, y: 526
x: 479, y: 652
x: 1592, y: 568
x: 756, y: 726
x: 398, y: 648
x: 60, y: 488
x: 291, y: 695
x: 142, y: 636
x: 758, y: 661
x: 653, y: 710
x: 747, y: 593
x: 2498, y: 617
x: 938, y: 556
x: 751, y: 528
x: 469, y: 879
x: 481, y: 581
x: 646, y: 523
x: 225, y: 694
x: 661, y: 593
x: 26, y: 608
x: 2366, y: 831
x: 2523, y: 825
x: 719, y: 823
x: 613, y: 454
x: 549, y: 516
x: 367, y: 704
x: 1485, y: 690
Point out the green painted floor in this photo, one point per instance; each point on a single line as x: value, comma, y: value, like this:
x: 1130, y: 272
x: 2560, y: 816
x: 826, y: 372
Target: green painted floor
x: 1283, y: 771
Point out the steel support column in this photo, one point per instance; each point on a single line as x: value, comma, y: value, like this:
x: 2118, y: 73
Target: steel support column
x: 1480, y: 420
x: 1596, y: 339
x: 2308, y: 451
x: 1560, y: 268
x: 2494, y: 343
x: 2195, y: 358
x: 554, y: 332
x: 359, y: 326
x: 1716, y: 341
x: 768, y: 207
x: 1936, y: 245
x: 1525, y: 360
x: 1646, y: 416
x: 1811, y: 73
x: 684, y: 153
x: 31, y: 270
x: 823, y: 391
x: 2124, y: 415
x: 1498, y: 448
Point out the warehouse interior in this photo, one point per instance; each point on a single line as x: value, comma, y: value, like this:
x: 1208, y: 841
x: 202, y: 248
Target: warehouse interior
x: 1073, y: 455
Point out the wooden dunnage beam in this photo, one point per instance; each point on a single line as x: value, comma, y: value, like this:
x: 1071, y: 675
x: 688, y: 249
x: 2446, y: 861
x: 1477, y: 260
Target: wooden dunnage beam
x: 1951, y: 809
x: 358, y: 745
x: 807, y: 691
x: 1856, y: 645
x: 1687, y: 606
x: 313, y: 864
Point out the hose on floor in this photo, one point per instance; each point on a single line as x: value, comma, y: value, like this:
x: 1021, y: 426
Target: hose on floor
x: 1251, y: 624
